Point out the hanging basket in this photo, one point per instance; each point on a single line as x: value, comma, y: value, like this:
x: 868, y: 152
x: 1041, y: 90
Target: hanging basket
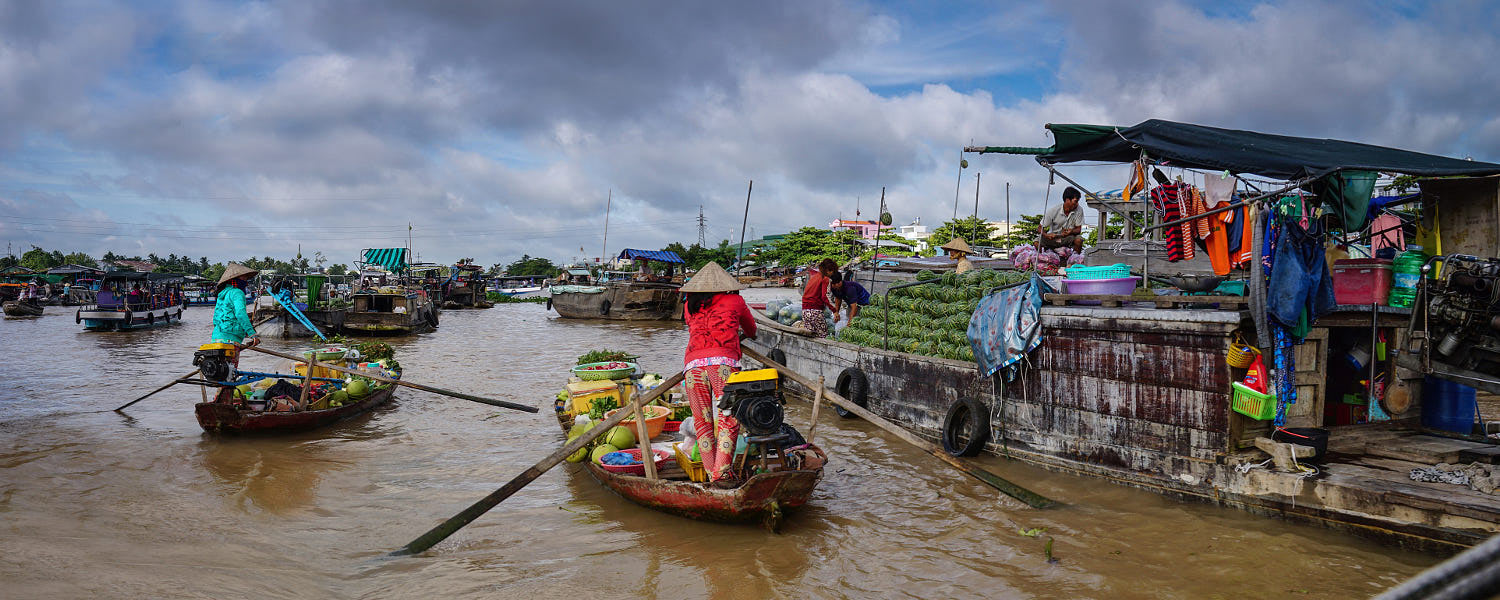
x: 1241, y: 354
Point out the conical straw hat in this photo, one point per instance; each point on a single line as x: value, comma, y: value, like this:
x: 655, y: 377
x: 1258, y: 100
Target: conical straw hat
x: 712, y: 278
x: 958, y: 244
x: 234, y: 271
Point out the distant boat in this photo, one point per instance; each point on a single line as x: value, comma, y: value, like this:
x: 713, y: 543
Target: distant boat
x: 134, y: 300
x: 23, y: 308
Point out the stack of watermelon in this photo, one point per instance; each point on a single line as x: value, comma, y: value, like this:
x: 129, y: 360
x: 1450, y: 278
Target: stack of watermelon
x: 930, y: 319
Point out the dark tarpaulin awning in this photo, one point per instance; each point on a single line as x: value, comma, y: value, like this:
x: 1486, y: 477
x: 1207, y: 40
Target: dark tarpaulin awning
x: 666, y: 256
x: 1237, y: 151
x: 393, y: 259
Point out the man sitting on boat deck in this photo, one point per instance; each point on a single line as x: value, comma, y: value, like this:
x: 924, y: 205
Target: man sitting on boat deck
x: 1062, y: 225
x: 959, y: 250
x: 715, y: 315
x: 231, y: 321
x: 847, y: 292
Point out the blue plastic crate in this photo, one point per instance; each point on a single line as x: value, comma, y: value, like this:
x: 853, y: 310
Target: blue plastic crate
x: 1115, y: 271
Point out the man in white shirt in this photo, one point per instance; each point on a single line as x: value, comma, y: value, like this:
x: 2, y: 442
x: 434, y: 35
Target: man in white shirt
x: 1062, y: 225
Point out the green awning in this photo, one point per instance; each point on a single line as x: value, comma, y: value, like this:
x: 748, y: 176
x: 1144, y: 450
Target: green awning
x: 393, y: 259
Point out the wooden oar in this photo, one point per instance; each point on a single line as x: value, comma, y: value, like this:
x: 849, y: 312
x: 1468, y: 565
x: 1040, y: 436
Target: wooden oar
x: 179, y: 379
x: 447, y: 528
x: 1031, y: 498
x: 415, y: 386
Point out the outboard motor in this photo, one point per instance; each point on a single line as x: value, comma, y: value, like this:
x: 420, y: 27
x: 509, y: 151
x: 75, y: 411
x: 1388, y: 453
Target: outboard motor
x: 215, y: 361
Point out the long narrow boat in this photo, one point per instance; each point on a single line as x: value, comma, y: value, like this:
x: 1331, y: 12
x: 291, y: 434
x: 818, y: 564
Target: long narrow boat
x: 224, y: 414
x: 22, y: 308
x: 763, y: 497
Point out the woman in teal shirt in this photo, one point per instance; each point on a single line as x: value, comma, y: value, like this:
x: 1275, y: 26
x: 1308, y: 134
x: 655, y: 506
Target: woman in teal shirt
x: 231, y: 323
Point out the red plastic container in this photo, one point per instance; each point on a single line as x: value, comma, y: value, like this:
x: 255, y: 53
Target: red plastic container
x: 1361, y: 280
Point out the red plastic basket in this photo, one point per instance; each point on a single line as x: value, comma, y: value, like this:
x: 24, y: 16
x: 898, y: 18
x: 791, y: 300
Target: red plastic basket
x: 637, y: 469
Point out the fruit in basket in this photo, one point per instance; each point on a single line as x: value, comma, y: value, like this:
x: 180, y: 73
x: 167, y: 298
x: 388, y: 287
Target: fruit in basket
x: 600, y: 451
x: 610, y: 366
x: 620, y: 437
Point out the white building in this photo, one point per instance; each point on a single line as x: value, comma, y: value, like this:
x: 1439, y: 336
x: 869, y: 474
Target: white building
x: 917, y: 233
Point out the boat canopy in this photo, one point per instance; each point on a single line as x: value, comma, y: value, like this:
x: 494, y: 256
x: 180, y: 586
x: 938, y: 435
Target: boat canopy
x: 393, y: 259
x: 139, y: 276
x: 71, y: 269
x: 666, y: 256
x: 1215, y: 149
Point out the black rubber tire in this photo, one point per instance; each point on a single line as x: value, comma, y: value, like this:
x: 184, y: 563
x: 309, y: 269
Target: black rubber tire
x: 970, y: 414
x: 432, y: 318
x: 78, y: 317
x: 604, y: 308
x: 549, y: 302
x: 150, y: 319
x: 854, y: 386
x: 777, y: 356
x: 129, y: 316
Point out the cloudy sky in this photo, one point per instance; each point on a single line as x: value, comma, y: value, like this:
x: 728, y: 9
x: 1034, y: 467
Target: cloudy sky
x: 500, y: 128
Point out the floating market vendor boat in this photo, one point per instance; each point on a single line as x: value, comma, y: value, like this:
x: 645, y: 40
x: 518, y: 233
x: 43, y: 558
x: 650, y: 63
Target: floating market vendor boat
x: 1138, y: 389
x: 521, y: 286
x: 628, y: 300
x: 465, y: 288
x: 23, y: 308
x: 132, y: 300
x: 332, y: 398
x: 390, y: 298
x: 783, y: 480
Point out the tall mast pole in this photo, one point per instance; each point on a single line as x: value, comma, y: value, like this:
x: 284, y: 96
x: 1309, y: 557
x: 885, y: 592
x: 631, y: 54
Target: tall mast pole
x: 976, y: 206
x: 603, y: 250
x: 1007, y: 217
x: 739, y: 259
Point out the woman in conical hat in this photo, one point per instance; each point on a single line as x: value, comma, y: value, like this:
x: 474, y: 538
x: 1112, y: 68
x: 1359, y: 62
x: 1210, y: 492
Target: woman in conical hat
x: 716, y: 315
x: 959, y: 250
x: 231, y: 322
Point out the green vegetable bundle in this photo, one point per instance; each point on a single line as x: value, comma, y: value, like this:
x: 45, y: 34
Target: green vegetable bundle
x: 931, y: 319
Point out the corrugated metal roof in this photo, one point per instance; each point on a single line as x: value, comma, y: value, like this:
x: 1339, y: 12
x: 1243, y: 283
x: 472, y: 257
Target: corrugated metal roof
x: 390, y: 258
x: 665, y: 256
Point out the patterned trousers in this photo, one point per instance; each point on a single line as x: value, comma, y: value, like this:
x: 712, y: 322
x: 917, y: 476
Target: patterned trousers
x: 717, y: 433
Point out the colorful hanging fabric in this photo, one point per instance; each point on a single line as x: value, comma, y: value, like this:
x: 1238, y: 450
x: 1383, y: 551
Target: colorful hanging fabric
x: 1189, y: 229
x: 1165, y: 200
x: 1137, y: 183
x: 1218, y: 240
x: 1285, y: 360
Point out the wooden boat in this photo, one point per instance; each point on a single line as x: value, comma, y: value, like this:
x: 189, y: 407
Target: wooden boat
x: 465, y: 288
x: 118, y: 307
x: 763, y: 497
x: 226, y: 415
x: 386, y: 303
x: 618, y: 300
x: 22, y: 308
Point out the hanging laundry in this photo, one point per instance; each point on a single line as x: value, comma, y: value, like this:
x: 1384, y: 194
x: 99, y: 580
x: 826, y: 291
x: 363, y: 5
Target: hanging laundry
x: 1137, y: 183
x: 1218, y: 240
x: 1386, y: 232
x: 1189, y: 229
x: 1164, y: 199
x: 1218, y: 188
x: 1300, y: 286
x: 1246, y: 252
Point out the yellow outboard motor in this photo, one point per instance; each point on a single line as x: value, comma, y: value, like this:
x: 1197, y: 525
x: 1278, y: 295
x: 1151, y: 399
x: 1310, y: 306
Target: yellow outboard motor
x: 215, y: 361
x: 754, y: 398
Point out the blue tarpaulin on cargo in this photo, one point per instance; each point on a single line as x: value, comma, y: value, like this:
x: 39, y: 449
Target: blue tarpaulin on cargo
x: 665, y: 256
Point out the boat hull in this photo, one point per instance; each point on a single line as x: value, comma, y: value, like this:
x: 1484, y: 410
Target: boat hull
x: 628, y: 302
x: 22, y: 309
x: 222, y: 416
x: 118, y: 320
x: 760, y: 498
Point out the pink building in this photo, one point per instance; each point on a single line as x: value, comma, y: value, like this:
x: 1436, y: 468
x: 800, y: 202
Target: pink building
x: 866, y: 229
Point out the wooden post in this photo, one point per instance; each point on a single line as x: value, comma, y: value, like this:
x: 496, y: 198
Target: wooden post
x: 817, y: 403
x: 312, y: 361
x: 648, y: 458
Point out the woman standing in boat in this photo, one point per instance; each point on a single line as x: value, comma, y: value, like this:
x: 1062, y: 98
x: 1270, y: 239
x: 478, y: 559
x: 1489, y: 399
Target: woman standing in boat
x: 231, y: 322
x: 716, y: 315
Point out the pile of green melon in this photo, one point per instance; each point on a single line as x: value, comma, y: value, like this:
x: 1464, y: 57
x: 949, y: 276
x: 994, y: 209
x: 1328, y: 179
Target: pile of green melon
x: 930, y: 319
x: 617, y: 438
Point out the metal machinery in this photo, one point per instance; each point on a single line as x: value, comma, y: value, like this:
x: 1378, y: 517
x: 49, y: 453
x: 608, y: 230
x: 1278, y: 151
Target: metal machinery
x: 1460, y: 326
x: 216, y: 361
x: 755, y: 400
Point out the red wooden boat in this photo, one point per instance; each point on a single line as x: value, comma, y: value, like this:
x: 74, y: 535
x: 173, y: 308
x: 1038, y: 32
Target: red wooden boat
x: 224, y: 414
x: 762, y: 497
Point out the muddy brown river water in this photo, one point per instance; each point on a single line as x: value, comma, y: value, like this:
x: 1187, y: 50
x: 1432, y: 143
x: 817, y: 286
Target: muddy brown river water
x: 98, y: 504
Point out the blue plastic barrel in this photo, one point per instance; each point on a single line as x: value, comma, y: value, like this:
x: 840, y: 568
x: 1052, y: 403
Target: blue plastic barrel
x: 1448, y: 406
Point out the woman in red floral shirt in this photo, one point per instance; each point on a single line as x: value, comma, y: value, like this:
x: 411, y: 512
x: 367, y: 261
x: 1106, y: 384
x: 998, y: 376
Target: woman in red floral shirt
x: 715, y: 315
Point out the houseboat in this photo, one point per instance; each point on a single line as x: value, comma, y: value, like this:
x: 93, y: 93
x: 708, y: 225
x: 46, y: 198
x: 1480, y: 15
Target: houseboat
x: 315, y: 297
x: 391, y: 296
x: 648, y: 297
x: 1145, y: 390
x: 132, y: 300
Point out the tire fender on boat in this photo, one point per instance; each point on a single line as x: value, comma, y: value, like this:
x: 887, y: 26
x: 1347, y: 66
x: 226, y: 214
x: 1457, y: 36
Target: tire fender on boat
x: 853, y: 385
x: 549, y: 302
x: 604, y: 308
x: 966, y: 428
x: 433, y: 318
x: 129, y: 316
x: 778, y: 356
x: 150, y: 318
x: 78, y: 316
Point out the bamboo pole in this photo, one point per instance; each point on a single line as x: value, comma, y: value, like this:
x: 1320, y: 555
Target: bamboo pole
x: 415, y: 386
x: 179, y: 379
x: 648, y: 458
x: 817, y: 403
x: 458, y: 521
x: 1031, y: 498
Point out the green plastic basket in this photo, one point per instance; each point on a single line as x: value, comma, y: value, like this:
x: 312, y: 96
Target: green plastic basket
x: 1114, y: 271
x: 1253, y: 404
x: 597, y: 375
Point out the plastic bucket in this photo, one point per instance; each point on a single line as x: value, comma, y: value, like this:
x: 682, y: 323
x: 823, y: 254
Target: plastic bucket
x: 1448, y: 406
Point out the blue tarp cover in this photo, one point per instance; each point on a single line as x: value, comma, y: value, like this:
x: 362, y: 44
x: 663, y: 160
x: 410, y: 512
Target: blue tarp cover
x: 665, y: 256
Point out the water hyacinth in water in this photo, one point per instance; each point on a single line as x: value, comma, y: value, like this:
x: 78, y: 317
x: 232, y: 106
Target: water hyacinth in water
x: 930, y: 319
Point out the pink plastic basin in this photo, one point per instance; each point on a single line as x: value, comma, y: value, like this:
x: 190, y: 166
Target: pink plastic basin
x: 1119, y: 286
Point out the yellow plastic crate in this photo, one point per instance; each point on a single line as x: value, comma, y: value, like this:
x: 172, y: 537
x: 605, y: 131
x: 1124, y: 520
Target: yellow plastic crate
x: 694, y: 468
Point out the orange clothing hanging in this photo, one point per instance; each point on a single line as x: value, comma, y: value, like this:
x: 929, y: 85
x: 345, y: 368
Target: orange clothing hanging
x: 1218, y: 239
x: 1242, y: 258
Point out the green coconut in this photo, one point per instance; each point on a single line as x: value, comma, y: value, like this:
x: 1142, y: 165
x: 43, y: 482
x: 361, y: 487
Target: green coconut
x: 338, y: 398
x: 578, y: 456
x: 358, y: 388
x: 620, y: 437
x: 577, y: 430
x: 600, y: 451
